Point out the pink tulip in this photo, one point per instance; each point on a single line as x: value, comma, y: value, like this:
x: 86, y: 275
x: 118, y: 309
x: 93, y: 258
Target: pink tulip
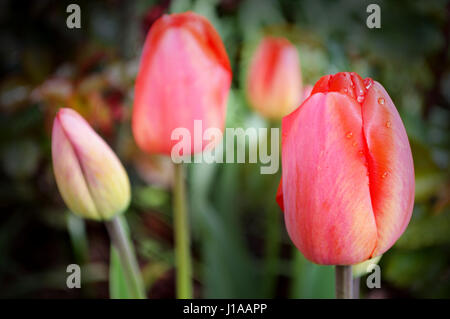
x: 274, y: 81
x: 184, y: 75
x: 90, y: 177
x: 348, y: 178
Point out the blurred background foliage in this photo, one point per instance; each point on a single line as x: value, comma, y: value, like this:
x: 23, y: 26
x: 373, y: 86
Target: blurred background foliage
x: 240, y: 245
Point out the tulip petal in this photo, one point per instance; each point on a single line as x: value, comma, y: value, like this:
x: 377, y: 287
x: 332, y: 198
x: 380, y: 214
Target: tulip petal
x: 279, y: 196
x: 328, y: 209
x: 69, y: 175
x: 390, y: 165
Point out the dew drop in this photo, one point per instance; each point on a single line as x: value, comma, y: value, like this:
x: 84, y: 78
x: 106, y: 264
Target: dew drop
x: 349, y: 135
x: 360, y: 92
x: 360, y: 98
x: 388, y: 124
x: 385, y: 174
x: 381, y: 100
x: 361, y: 152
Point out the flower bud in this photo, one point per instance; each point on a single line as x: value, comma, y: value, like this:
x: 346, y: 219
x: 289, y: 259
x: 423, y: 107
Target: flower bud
x: 274, y: 80
x: 348, y: 178
x: 90, y: 177
x: 184, y: 75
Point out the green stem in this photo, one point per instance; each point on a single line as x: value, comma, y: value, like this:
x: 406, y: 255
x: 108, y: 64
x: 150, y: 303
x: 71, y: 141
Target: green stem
x: 121, y: 241
x: 356, y: 284
x: 344, y: 282
x: 182, y: 242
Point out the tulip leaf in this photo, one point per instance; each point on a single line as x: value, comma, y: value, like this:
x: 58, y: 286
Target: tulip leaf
x: 77, y: 231
x: 223, y: 247
x: 310, y: 280
x: 363, y: 268
x: 118, y: 288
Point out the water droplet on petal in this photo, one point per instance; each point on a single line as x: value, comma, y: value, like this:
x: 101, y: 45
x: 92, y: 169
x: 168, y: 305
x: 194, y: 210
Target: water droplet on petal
x: 388, y: 124
x: 360, y: 98
x: 381, y: 100
x: 385, y: 174
x: 361, y: 152
x: 349, y: 135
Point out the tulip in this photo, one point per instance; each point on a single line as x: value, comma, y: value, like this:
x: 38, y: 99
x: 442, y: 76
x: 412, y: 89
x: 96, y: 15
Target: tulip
x: 184, y: 75
x: 347, y: 186
x: 274, y: 80
x: 90, y: 177
x: 94, y: 184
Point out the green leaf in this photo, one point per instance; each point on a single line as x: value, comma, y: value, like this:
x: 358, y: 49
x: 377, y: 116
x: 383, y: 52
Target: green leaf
x: 77, y: 232
x: 118, y: 288
x: 310, y: 280
x: 224, y: 249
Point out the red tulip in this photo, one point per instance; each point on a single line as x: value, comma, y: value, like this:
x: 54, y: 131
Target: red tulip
x: 274, y: 81
x: 184, y: 75
x: 348, y: 178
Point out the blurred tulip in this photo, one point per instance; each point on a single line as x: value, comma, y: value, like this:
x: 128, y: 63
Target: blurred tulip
x: 90, y: 177
x: 348, y: 176
x: 184, y: 75
x: 154, y: 169
x: 306, y: 92
x: 274, y: 81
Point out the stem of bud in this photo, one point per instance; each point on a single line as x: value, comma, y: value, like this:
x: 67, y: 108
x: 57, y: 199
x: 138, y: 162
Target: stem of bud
x: 122, y: 242
x: 344, y: 282
x: 182, y: 242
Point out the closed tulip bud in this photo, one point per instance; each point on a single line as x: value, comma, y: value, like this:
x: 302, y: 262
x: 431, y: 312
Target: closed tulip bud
x: 90, y: 177
x: 184, y: 75
x: 348, y: 178
x: 274, y: 80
